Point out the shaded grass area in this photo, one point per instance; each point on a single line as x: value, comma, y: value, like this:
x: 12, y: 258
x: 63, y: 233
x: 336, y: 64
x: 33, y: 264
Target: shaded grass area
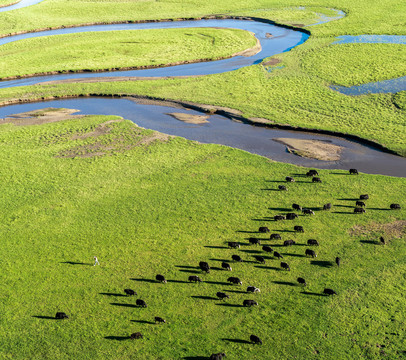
x: 161, y: 208
x: 119, y: 49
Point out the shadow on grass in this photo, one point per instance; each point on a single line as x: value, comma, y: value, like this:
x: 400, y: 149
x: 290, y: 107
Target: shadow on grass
x: 45, y: 317
x: 230, y: 305
x: 284, y: 230
x: 322, y: 263
x: 287, y: 283
x: 186, y: 267
x: 75, y: 263
x: 222, y: 260
x: 280, y: 209
x: 118, y: 338
x: 195, y: 358
x: 247, y: 232
x: 236, y: 291
x: 145, y: 280
x: 372, y: 242
x: 203, y: 297
x: 216, y: 247
x: 342, y: 212
x: 270, y: 190
x: 143, y: 322
x: 312, y: 293
x: 267, y: 267
x: 191, y: 271
x: 125, y: 305
x: 385, y: 209
x: 238, y: 341
x: 216, y: 283
x: 112, y: 294
x: 344, y: 206
x: 348, y: 199
x: 178, y: 281
x: 295, y: 255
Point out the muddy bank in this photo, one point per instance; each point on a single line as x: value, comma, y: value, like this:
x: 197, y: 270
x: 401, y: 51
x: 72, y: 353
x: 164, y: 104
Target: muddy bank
x: 190, y: 119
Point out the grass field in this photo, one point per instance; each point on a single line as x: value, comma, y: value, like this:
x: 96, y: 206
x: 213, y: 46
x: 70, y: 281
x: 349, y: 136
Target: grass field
x: 141, y: 214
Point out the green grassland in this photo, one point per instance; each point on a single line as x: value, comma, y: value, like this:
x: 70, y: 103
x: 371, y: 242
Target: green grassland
x: 118, y: 49
x: 139, y: 211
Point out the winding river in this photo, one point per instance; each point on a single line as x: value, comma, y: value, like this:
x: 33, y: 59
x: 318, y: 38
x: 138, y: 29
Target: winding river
x: 219, y: 129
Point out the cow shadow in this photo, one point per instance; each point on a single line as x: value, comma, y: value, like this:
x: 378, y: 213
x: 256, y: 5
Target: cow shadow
x: 344, y: 206
x: 143, y: 322
x: 322, y: 263
x: 236, y: 291
x: 195, y: 358
x: 287, y: 283
x: 113, y: 294
x: 230, y: 305
x: 284, y: 230
x: 342, y: 212
x: 145, y: 280
x: 118, y: 338
x: 215, y: 247
x: 294, y: 255
x: 217, y: 282
x: 270, y: 190
x: 204, y: 297
x: 178, y: 281
x: 246, y: 232
x: 280, y: 209
x: 125, y: 305
x: 267, y: 267
x: 252, y: 251
x: 238, y: 341
x: 45, y: 317
x: 221, y: 260
x: 348, y: 199
x: 312, y: 293
x: 186, y: 267
x: 75, y: 263
x: 385, y: 209
x: 191, y: 271
x: 369, y: 242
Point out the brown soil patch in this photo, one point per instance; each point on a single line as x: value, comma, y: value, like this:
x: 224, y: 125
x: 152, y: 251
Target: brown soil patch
x: 41, y: 116
x: 396, y: 229
x: 271, y: 62
x: 313, y: 149
x: 189, y: 118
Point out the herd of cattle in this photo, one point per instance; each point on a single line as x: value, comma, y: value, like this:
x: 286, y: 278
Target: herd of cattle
x: 205, y: 267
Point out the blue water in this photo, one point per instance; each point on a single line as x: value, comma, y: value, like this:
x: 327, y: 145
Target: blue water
x: 371, y: 39
x: 379, y: 87
x: 20, y: 5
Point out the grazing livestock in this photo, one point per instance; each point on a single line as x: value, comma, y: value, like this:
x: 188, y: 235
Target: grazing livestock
x: 301, y: 281
x: 61, y: 315
x: 277, y: 255
x: 338, y: 261
x: 289, y: 179
x: 329, y: 292
x: 140, y: 302
x: 279, y: 217
x: 263, y: 229
x: 234, y: 280
x: 316, y: 180
x: 253, y: 289
x: 296, y: 207
x: 360, y: 203
x: 353, y: 172
x: 289, y: 242
x: 282, y: 188
x: 259, y: 259
x: 382, y: 240
x: 130, y: 292
x: 218, y: 356
x: 159, y: 320
x: 275, y: 237
x: 291, y: 216
x: 364, y: 197
x: 135, y: 336
x: 285, y: 266
x: 194, y: 278
x: 327, y: 206
x: 222, y: 295
x: 267, y: 248
x: 233, y: 245
x: 254, y: 241
x: 249, y: 303
x: 308, y: 212
x: 312, y: 172
x: 311, y: 253
x: 226, y: 266
x: 312, y: 242
x: 255, y: 339
x: 160, y: 278
x: 204, y: 266
x: 359, y: 210
x: 298, y: 228
x: 236, y: 258
x: 395, y: 206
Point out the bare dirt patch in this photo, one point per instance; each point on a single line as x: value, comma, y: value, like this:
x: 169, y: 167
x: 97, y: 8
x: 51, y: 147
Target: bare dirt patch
x: 271, y: 62
x: 313, y: 149
x: 396, y: 229
x: 190, y: 119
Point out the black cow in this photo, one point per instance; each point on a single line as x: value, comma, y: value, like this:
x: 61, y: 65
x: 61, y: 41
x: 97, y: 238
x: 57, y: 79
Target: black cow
x: 233, y: 245
x: 275, y: 237
x: 159, y: 320
x: 298, y: 228
x: 267, y: 248
x: 360, y: 203
x: 249, y: 303
x: 312, y: 172
x: 226, y: 266
x: 285, y: 266
x: 279, y: 217
x: 382, y: 240
x: 296, y: 207
x: 194, y: 278
x: 222, y: 295
x: 364, y: 197
x: 236, y: 258
x: 136, y: 335
x: 311, y: 253
x: 329, y: 292
x: 263, y: 229
x: 259, y: 259
x: 61, y: 315
x: 291, y: 216
x: 204, y: 266
x: 353, y: 172
x: 301, y: 281
x: 234, y: 280
x: 395, y: 206
x: 289, y: 242
x: 130, y: 292
x: 282, y: 188
x: 359, y: 210
x: 254, y: 241
x: 316, y: 180
x: 289, y: 179
x: 252, y: 289
x: 338, y: 261
x: 255, y: 339
x: 312, y: 242
x: 327, y: 206
x: 218, y: 356
x: 160, y: 278
x: 140, y: 302
x: 308, y: 212
x: 277, y: 255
